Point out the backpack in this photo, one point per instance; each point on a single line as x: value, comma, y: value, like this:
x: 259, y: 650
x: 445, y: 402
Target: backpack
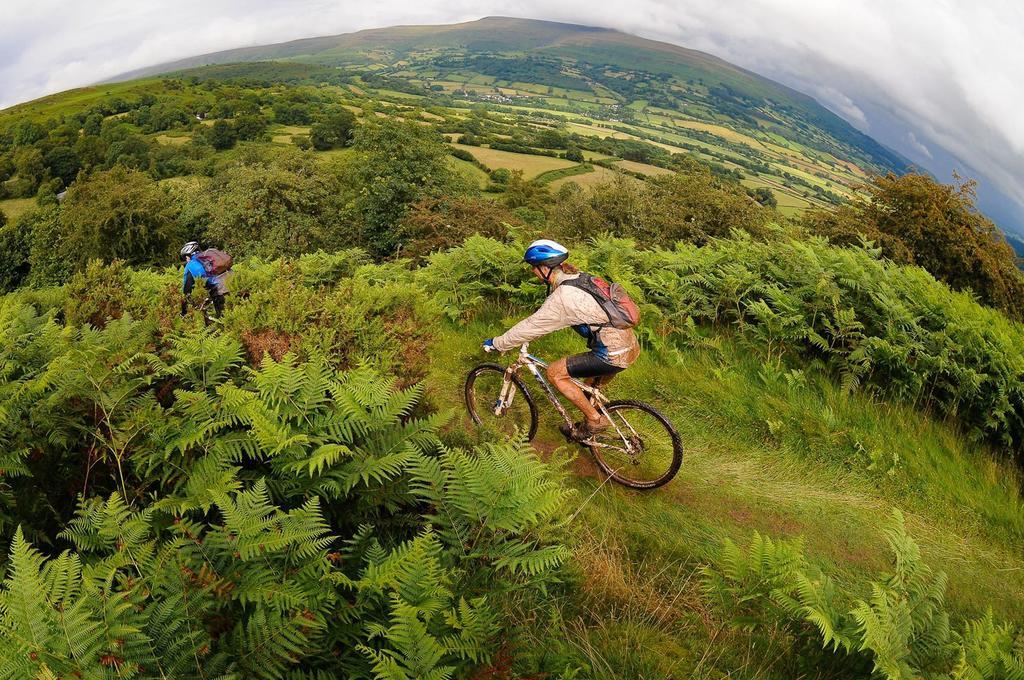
x: 614, y: 300
x: 215, y: 262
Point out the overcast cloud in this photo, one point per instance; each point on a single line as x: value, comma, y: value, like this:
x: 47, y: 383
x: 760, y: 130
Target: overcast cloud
x: 939, y: 81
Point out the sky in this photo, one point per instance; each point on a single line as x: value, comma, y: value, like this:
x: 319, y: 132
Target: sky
x: 940, y: 81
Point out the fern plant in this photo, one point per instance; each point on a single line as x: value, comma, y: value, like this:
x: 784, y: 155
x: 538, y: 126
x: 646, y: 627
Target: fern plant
x: 902, y: 631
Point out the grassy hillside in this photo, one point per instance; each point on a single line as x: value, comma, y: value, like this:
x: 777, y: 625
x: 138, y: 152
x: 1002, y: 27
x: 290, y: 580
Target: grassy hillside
x: 774, y: 447
x: 295, y: 490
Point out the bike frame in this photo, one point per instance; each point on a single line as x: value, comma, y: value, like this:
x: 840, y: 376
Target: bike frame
x: 534, y: 364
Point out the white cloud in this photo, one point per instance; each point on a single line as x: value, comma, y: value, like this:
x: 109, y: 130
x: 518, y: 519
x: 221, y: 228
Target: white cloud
x: 948, y: 72
x: 841, y: 104
x: 917, y: 146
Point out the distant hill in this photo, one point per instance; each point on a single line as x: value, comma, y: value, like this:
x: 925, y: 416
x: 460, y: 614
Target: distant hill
x: 583, y: 57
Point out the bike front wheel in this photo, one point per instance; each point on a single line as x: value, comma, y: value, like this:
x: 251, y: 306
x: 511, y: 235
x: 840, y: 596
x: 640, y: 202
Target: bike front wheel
x: 516, y: 415
x: 641, y: 450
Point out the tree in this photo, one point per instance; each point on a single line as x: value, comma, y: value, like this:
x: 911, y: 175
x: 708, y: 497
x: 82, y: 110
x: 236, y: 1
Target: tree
x: 91, y: 150
x: 48, y: 264
x: 524, y: 193
x: 130, y: 152
x: 334, y: 130
x: 574, y: 154
x: 285, y: 204
x: 62, y: 163
x: 29, y: 169
x: 118, y: 214
x: 221, y: 135
x: 398, y: 163
x: 291, y: 113
x: 916, y: 220
x: 26, y: 133
x: 551, y: 139
x: 764, y: 196
x: 251, y: 126
x: 14, y: 251
x: 92, y: 124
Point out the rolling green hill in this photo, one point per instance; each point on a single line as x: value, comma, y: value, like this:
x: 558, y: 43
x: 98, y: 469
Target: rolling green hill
x: 591, y: 84
x: 602, y: 58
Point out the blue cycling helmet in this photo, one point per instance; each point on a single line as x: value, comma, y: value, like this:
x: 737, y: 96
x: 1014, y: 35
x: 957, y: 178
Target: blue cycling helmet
x: 545, y: 253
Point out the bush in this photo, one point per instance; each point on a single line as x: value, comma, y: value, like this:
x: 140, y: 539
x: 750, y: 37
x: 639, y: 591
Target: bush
x: 916, y: 220
x: 48, y: 261
x: 438, y: 223
x: 573, y: 154
x: 398, y: 164
x: 333, y: 130
x: 14, y: 253
x: 462, y: 154
x: 97, y: 294
x: 692, y: 207
x: 221, y: 135
x: 286, y: 204
x: 892, y: 329
x: 118, y: 214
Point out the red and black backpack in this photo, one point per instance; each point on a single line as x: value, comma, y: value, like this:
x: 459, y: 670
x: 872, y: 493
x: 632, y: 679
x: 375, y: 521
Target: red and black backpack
x: 614, y: 300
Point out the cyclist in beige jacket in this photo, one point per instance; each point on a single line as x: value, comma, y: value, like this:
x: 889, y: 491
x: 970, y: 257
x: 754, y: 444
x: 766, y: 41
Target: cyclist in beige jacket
x: 611, y: 350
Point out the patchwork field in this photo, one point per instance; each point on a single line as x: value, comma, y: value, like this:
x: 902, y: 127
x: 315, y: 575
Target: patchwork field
x: 15, y: 207
x: 529, y: 164
x: 600, y: 175
x: 642, y: 168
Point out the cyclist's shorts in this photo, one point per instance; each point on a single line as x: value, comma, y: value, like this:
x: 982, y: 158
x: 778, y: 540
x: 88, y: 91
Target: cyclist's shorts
x: 589, y: 365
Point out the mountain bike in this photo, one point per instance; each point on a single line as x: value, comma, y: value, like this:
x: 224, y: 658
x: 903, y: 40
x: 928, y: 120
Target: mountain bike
x: 202, y: 309
x: 641, y: 449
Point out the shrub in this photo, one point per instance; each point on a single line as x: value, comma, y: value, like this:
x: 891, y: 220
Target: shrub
x: 437, y: 223
x: 692, y: 207
x: 48, y: 262
x: 333, y: 130
x: 284, y: 205
x: 398, y: 164
x: 916, y: 220
x: 14, y: 253
x: 892, y: 329
x: 902, y: 631
x: 462, y: 154
x: 118, y: 214
x: 97, y: 294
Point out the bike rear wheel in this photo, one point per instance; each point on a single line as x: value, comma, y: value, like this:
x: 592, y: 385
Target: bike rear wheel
x: 483, y: 391
x: 642, y: 450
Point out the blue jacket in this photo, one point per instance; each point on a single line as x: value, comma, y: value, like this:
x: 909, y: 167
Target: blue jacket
x: 195, y: 271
